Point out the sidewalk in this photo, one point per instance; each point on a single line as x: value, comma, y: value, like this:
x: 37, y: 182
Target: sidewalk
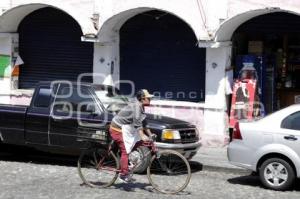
x: 215, y: 159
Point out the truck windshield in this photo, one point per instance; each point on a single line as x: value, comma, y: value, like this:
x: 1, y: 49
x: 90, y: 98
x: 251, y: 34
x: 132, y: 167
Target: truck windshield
x: 110, y: 98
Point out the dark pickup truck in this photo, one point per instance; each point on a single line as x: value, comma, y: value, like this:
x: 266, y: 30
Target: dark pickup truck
x: 62, y: 114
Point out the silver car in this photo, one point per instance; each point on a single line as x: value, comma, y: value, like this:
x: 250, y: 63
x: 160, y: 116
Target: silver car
x: 269, y: 146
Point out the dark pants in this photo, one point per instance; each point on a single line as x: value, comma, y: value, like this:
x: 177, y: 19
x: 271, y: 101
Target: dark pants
x: 117, y: 137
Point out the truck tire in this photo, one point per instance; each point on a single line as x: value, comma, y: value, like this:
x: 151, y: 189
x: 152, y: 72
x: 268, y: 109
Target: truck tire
x: 143, y: 167
x: 277, y: 174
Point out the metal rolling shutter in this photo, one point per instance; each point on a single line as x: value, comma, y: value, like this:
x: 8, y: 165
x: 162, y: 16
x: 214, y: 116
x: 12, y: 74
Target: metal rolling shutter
x: 51, y: 48
x: 274, y: 23
x: 161, y: 55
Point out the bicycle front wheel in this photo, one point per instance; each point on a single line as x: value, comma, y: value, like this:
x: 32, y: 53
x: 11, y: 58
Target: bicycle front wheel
x: 98, y: 168
x: 169, y: 172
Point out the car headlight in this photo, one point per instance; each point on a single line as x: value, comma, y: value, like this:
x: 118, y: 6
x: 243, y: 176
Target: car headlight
x: 170, y: 135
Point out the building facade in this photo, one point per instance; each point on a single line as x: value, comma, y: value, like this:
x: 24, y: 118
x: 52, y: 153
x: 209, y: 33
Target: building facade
x: 176, y: 49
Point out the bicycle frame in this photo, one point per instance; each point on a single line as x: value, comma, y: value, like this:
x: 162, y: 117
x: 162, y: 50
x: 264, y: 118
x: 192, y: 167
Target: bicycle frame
x: 153, y: 151
x: 148, y: 144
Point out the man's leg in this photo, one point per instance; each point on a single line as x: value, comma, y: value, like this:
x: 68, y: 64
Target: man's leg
x: 117, y: 136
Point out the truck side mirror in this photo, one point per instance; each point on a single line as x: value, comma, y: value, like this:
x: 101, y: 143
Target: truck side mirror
x: 91, y: 108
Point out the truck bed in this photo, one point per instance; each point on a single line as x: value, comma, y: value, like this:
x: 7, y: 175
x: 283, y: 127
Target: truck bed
x: 12, y: 123
x: 19, y: 97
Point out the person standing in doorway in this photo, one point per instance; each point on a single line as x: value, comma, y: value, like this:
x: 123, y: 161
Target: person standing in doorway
x: 228, y: 86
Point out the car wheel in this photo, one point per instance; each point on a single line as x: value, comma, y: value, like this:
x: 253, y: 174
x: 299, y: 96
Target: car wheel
x: 277, y: 174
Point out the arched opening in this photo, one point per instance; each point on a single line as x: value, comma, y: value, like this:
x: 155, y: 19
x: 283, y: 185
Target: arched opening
x: 158, y: 52
x: 272, y: 43
x: 51, y: 48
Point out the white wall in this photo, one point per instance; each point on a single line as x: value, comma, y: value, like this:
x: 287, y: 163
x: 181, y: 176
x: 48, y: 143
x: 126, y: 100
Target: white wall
x: 215, y: 101
x: 4, y: 4
x: 104, y: 55
x: 215, y: 87
x: 216, y: 11
x: 240, y: 6
x: 5, y: 49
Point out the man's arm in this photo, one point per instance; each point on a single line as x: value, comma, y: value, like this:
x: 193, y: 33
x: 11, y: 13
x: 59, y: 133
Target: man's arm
x: 142, y: 135
x: 149, y: 133
x: 146, y: 130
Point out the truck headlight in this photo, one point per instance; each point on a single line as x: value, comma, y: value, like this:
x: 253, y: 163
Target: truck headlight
x: 197, y: 133
x: 170, y: 135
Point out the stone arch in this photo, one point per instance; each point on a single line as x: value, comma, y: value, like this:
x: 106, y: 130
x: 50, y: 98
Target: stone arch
x: 10, y: 20
x: 228, y: 27
x: 110, y: 28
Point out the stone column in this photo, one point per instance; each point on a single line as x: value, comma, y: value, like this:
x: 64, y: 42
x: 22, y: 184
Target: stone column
x: 215, y: 116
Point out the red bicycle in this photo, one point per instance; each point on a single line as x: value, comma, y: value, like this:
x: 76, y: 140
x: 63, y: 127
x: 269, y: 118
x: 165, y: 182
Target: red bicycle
x: 168, y: 171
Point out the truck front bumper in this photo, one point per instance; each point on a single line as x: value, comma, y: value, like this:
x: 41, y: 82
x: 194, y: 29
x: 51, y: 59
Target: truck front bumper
x: 187, y: 150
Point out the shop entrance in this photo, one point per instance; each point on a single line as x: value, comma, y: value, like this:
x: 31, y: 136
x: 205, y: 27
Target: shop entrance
x: 271, y: 42
x: 158, y: 51
x: 51, y: 48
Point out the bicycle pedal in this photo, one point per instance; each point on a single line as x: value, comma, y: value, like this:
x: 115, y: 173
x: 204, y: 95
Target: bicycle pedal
x: 126, y: 179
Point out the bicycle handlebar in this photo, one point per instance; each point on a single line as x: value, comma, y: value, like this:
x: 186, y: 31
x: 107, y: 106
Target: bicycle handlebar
x: 153, y: 137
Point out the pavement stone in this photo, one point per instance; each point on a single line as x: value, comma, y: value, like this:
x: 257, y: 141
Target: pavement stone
x: 215, y: 159
x: 25, y: 180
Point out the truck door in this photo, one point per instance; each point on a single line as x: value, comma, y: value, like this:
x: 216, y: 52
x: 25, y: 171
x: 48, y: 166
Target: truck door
x: 75, y: 112
x: 37, y: 118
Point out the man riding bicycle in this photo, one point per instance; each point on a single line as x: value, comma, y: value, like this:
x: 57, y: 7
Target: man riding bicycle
x: 128, y: 127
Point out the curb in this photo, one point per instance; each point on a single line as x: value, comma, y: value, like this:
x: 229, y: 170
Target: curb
x: 199, y: 166
x: 225, y: 169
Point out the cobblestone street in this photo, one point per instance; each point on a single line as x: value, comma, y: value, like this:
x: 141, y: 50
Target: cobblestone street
x: 31, y: 177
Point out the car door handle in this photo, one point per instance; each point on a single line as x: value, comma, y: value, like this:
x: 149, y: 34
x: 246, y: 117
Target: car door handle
x: 290, y: 137
x: 90, y: 125
x: 57, y: 118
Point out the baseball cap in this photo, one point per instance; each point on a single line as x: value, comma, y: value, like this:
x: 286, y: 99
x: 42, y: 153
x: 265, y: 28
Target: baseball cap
x: 147, y: 94
x: 144, y: 93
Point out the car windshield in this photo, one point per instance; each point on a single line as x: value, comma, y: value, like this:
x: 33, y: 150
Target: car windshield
x: 111, y: 98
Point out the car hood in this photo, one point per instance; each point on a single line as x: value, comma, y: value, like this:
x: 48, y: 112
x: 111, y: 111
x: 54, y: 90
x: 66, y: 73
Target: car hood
x: 163, y: 122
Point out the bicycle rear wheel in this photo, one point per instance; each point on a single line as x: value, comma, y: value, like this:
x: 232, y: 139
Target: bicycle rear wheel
x: 169, y: 172
x: 98, y: 168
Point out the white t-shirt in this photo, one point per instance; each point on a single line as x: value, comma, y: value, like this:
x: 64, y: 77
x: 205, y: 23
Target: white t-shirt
x: 229, y: 82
